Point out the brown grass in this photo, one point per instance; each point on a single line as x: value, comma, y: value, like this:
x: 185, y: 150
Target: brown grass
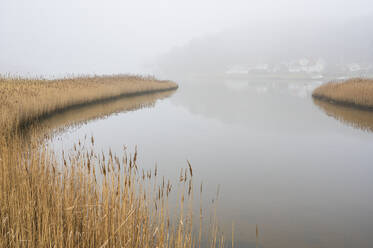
x: 356, y: 92
x: 24, y: 100
x: 83, y: 199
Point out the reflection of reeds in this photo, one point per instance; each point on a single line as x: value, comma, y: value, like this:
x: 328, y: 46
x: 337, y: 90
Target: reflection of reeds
x: 90, y: 112
x: 84, y: 199
x: 256, y: 236
x: 355, y: 92
x: 357, y: 118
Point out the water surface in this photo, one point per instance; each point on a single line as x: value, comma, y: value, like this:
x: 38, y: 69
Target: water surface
x: 301, y: 170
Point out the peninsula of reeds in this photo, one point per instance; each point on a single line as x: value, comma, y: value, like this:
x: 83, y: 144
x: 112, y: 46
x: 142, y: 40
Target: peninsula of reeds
x: 83, y: 198
x: 26, y: 100
x: 355, y: 92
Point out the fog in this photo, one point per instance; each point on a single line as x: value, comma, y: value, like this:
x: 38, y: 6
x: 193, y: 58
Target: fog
x: 290, y: 46
x: 43, y: 37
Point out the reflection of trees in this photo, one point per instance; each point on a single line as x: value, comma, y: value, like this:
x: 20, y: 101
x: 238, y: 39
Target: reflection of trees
x: 351, y: 116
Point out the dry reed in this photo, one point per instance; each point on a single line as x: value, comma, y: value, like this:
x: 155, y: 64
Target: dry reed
x: 83, y: 199
x: 24, y: 100
x: 356, y: 92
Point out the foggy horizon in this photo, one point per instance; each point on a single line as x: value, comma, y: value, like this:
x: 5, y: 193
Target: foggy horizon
x: 87, y: 37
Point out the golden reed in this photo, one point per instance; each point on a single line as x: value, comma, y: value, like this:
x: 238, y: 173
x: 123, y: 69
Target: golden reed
x: 81, y: 198
x: 355, y: 92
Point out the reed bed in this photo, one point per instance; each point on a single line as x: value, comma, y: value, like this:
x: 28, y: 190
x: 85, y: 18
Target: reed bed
x: 355, y: 92
x: 82, y: 198
x: 85, y: 199
x: 24, y: 100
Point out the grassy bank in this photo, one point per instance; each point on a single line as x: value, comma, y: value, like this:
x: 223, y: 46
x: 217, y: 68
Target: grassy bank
x: 24, y: 100
x: 81, y: 198
x: 356, y: 92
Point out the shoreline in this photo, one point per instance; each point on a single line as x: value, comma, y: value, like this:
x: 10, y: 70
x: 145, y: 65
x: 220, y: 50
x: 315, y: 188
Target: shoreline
x: 29, y: 101
x: 342, y: 103
x: 76, y: 106
x: 354, y: 93
x: 79, y: 115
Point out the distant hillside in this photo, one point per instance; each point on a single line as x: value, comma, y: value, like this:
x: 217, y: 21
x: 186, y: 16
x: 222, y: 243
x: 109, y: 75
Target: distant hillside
x: 313, y: 46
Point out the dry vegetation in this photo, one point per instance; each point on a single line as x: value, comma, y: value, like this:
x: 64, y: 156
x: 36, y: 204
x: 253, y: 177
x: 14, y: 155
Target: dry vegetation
x: 84, y: 199
x: 24, y: 100
x: 355, y: 92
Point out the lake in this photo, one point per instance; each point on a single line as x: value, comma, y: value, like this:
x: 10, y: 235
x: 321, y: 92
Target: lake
x: 299, y: 169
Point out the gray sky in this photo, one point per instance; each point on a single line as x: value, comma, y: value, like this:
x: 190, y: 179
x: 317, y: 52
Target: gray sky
x: 112, y: 36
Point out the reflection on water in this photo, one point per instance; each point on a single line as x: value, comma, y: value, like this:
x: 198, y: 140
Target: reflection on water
x: 301, y: 89
x: 79, y: 116
x: 357, y: 118
x: 281, y: 163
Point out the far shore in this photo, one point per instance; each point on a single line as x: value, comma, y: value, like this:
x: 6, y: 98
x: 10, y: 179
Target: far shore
x: 355, y: 92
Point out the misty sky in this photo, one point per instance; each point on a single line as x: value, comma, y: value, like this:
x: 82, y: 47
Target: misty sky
x: 47, y: 37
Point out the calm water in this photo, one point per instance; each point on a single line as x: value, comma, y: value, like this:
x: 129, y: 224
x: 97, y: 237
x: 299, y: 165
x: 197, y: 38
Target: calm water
x: 301, y: 170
